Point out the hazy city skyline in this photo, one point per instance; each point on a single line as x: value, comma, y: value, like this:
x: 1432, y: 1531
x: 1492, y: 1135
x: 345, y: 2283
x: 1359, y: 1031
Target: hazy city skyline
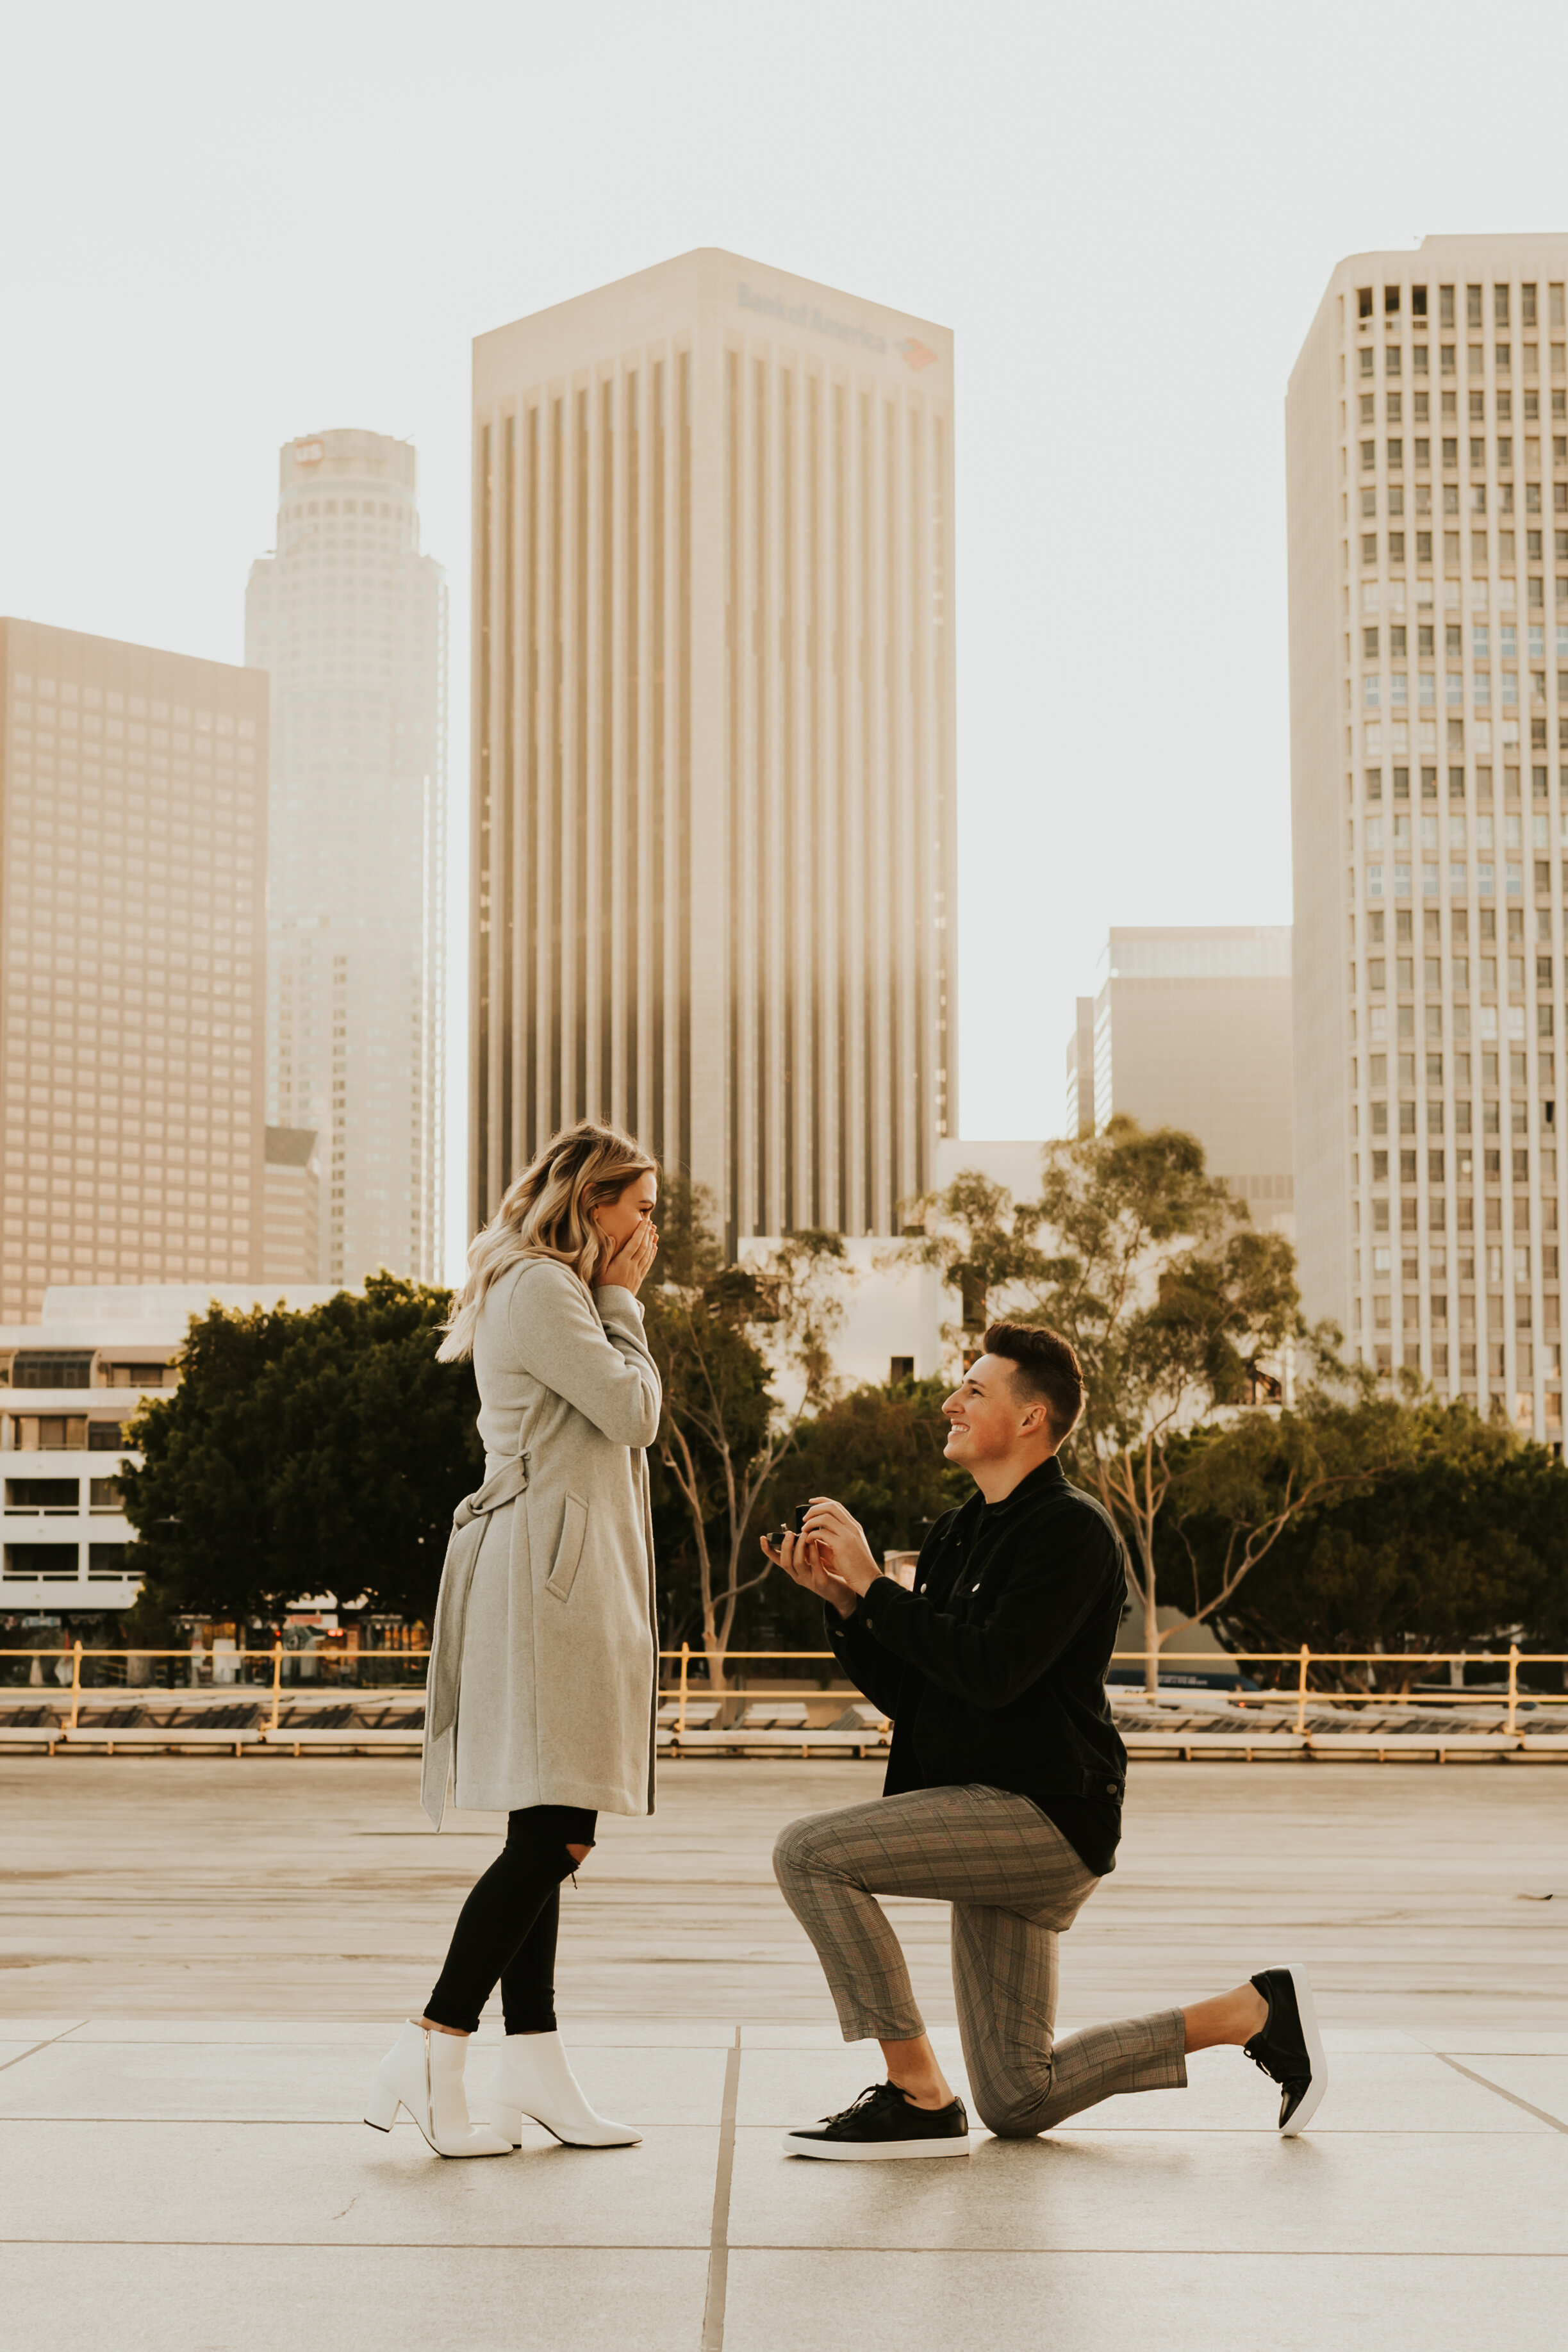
x: 1093, y: 260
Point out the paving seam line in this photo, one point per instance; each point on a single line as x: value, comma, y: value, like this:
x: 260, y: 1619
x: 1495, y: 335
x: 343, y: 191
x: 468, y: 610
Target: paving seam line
x: 718, y: 2249
x: 1118, y: 2247
x: 47, y: 2042
x: 384, y: 2245
x: 1497, y: 2091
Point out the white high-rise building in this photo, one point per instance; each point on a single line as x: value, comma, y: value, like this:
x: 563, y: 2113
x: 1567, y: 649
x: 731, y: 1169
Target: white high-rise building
x: 1428, y: 438
x: 350, y: 620
x: 713, y: 738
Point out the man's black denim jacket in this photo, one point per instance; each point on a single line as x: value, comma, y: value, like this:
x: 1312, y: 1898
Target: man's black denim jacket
x: 993, y: 1668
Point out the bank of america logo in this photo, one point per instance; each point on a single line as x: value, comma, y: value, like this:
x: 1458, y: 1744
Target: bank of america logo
x: 916, y: 353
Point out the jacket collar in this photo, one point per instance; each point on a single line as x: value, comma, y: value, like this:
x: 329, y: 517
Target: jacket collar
x: 1040, y: 1482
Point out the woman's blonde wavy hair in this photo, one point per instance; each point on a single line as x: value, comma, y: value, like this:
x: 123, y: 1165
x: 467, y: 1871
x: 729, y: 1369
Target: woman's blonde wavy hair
x: 548, y: 1213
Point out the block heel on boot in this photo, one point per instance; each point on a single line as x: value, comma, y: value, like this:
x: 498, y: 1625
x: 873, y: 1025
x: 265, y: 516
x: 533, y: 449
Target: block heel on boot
x: 422, y: 2072
x: 382, y: 2107
x: 534, y: 2081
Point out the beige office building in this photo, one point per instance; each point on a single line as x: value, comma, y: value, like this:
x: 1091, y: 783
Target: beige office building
x: 1427, y: 445
x: 291, y: 1205
x: 713, y: 738
x: 1191, y: 1028
x: 133, y: 854
x: 350, y: 619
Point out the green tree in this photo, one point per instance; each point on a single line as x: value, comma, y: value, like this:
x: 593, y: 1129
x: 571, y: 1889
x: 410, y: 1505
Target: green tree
x: 199, y: 1502
x: 303, y: 1451
x: 878, y: 1451
x: 1237, y: 1486
x: 981, y: 1241
x: 722, y: 1332
x: 1172, y: 1300
x: 1460, y: 1542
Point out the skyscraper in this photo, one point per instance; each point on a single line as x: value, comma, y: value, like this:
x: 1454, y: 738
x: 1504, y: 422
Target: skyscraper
x: 1427, y: 441
x: 133, y: 857
x: 1191, y: 1028
x: 713, y: 739
x: 350, y: 620
x: 1080, y: 1119
x: 291, y: 1198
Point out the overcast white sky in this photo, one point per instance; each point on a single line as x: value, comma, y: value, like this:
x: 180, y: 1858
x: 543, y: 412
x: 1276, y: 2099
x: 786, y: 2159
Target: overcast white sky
x: 226, y: 226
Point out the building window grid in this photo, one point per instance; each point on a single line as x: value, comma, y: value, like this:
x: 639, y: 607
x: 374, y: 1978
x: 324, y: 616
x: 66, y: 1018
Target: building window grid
x: 1538, y: 1057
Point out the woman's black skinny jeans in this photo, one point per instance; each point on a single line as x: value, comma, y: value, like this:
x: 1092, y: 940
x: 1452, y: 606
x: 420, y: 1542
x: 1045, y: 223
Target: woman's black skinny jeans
x: 506, y: 1932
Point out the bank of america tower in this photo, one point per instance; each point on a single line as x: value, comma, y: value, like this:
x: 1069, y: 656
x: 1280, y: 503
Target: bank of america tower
x: 350, y: 619
x: 1427, y: 451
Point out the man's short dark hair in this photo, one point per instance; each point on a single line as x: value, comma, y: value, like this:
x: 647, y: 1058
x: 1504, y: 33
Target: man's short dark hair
x: 1045, y: 1367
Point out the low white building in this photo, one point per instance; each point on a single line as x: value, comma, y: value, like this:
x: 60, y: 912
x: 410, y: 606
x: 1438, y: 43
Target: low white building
x: 895, y: 1309
x: 68, y: 1384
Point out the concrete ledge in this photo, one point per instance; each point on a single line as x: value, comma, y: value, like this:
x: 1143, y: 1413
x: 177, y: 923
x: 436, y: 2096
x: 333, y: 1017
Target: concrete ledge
x: 171, y: 1735
x: 805, y: 1741
x: 1219, y: 1743
x: 1411, y: 1743
x: 343, y: 1736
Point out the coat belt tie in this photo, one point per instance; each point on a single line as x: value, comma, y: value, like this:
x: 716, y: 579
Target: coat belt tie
x: 503, y: 1485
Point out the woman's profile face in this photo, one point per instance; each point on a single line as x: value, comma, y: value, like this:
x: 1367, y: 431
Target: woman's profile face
x: 618, y: 1219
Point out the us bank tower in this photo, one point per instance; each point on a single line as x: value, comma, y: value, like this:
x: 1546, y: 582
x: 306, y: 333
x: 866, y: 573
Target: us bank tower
x: 350, y: 617
x: 714, y: 740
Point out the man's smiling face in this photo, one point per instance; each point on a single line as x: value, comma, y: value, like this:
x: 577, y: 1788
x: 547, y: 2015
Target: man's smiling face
x: 987, y: 1415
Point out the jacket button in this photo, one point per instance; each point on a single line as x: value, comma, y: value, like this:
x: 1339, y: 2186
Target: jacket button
x: 1109, y: 1788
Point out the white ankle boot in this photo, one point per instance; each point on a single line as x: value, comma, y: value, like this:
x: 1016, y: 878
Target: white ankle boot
x: 534, y: 2078
x: 423, y: 2072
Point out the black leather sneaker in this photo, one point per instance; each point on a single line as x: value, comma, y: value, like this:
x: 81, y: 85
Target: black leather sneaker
x: 1290, y: 2048
x: 883, y: 2122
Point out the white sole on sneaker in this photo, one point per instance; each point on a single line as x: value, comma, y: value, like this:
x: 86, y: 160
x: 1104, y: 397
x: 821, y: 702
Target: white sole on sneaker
x: 841, y: 2151
x: 1306, y: 2009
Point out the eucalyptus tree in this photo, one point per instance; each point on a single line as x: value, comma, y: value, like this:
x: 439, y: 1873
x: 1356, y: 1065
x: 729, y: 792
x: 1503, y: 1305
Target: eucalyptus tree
x: 729, y: 1334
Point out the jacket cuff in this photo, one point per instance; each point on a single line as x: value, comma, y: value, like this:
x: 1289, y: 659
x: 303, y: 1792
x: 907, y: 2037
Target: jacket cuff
x: 622, y: 1302
x: 879, y: 1598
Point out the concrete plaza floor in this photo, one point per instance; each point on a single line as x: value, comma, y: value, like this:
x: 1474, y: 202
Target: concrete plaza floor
x: 203, y: 1956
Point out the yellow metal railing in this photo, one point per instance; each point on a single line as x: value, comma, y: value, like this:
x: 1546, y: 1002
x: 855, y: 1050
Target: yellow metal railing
x: 1301, y: 1660
x: 238, y: 1659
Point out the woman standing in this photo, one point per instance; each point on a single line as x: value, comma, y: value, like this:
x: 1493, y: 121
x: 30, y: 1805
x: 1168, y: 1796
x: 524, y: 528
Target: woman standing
x: 543, y: 1682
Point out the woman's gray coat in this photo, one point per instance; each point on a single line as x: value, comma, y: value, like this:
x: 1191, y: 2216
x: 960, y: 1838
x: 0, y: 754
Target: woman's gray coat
x: 543, y: 1683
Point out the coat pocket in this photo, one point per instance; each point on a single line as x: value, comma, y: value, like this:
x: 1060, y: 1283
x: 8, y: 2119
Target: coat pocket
x: 569, y: 1551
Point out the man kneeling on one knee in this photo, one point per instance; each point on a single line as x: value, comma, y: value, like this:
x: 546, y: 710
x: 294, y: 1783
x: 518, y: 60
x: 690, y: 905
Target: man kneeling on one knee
x: 1003, y: 1794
